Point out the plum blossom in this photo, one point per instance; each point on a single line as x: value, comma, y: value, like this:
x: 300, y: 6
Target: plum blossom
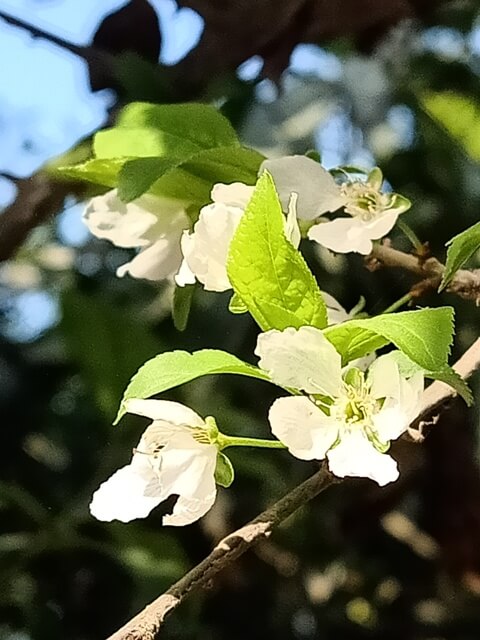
x: 344, y: 415
x: 152, y: 224
x: 370, y: 213
x: 205, y: 249
x: 176, y: 455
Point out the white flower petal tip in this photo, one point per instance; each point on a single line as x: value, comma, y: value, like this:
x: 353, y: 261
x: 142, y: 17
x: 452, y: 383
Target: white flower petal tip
x: 186, y: 511
x: 174, y: 457
x: 127, y: 495
x: 355, y: 456
x: 236, y: 194
x: 152, y: 224
x: 317, y: 191
x: 164, y: 410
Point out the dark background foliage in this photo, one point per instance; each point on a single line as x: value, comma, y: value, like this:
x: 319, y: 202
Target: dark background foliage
x: 349, y: 79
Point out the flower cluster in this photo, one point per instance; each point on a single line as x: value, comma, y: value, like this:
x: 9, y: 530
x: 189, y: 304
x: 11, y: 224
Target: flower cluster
x: 346, y: 415
x: 170, y: 248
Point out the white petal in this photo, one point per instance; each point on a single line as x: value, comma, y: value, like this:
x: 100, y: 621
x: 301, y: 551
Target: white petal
x: 132, y: 492
x: 206, y: 249
x: 356, y: 456
x: 316, y: 189
x: 397, y: 413
x: 126, y: 225
x: 384, y: 378
x: 292, y: 230
x: 382, y: 225
x: 335, y: 312
x: 185, y: 275
x: 342, y: 235
x: 163, y: 257
x: 303, y: 427
x: 301, y: 358
x: 236, y: 194
x: 187, y: 469
x: 173, y: 412
x: 159, y: 261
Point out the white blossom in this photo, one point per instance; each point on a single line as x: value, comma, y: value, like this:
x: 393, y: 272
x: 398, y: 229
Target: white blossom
x: 175, y: 456
x: 345, y: 415
x: 153, y: 225
x: 370, y: 214
x: 205, y: 249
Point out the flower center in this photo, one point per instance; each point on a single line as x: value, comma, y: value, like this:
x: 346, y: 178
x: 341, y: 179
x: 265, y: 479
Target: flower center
x: 364, y: 200
x: 354, y: 406
x: 201, y: 435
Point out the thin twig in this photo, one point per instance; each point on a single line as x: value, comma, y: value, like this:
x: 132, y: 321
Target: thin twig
x: 88, y: 53
x: 146, y: 625
x: 465, y: 284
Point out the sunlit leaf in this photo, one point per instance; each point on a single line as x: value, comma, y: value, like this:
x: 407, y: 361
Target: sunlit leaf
x: 267, y: 273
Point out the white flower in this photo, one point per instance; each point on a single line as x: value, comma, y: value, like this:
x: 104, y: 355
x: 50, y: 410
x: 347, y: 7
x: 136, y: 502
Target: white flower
x: 344, y: 415
x: 152, y: 224
x: 371, y: 213
x: 175, y: 456
x: 205, y: 249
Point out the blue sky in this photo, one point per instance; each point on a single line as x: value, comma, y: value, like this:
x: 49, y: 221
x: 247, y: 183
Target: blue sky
x: 46, y: 106
x: 45, y: 103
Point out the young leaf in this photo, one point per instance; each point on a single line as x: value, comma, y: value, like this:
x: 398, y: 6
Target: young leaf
x: 460, y: 249
x: 200, y: 124
x: 137, y: 176
x: 224, y: 473
x: 140, y: 143
x: 182, y: 302
x: 267, y: 272
x: 455, y: 380
x: 104, y: 172
x: 194, y: 178
x: 236, y: 305
x: 171, y: 369
x: 424, y: 336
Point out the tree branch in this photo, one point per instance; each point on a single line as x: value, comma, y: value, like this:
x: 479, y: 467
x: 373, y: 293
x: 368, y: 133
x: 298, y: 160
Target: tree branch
x: 38, y: 198
x: 146, y: 624
x: 88, y: 53
x: 465, y: 283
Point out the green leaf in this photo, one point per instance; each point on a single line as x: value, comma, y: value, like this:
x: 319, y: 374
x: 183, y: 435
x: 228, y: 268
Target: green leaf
x: 236, y: 305
x: 171, y: 369
x: 200, y: 124
x: 137, y: 176
x: 459, y: 115
x: 267, y: 272
x: 194, y: 178
x: 460, y: 249
x: 104, y: 172
x: 448, y: 375
x: 182, y: 302
x: 140, y: 143
x: 455, y: 380
x: 424, y: 336
x: 224, y: 472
